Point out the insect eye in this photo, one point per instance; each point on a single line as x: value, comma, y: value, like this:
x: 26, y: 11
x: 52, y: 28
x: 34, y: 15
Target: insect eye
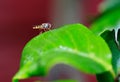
x: 46, y: 25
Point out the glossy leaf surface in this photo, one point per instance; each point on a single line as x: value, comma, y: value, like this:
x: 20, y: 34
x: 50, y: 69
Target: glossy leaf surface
x: 74, y: 45
x: 107, y: 26
x: 107, y: 21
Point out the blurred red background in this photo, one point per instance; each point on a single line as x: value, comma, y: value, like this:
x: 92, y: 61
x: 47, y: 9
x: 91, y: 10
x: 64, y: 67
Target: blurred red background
x: 17, y: 18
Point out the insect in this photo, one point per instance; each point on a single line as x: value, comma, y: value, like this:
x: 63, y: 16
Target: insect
x: 43, y: 27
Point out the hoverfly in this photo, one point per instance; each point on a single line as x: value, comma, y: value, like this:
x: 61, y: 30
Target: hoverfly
x: 43, y: 27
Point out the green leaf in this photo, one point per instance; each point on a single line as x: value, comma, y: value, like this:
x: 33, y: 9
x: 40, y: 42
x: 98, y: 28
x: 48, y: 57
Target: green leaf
x: 109, y: 4
x: 104, y: 26
x: 107, y: 26
x: 105, y: 77
x: 109, y: 20
x: 109, y: 36
x: 74, y: 45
